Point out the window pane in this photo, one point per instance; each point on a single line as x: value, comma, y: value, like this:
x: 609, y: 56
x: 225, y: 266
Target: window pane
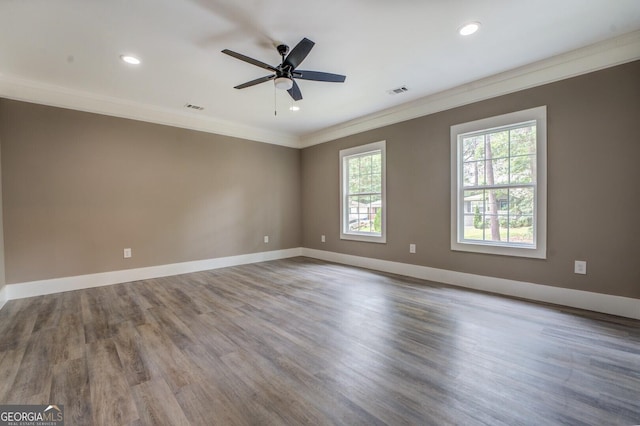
x: 365, y: 183
x: 365, y: 165
x: 354, y: 166
x: 521, y: 209
x: 473, y: 221
x: 376, y: 184
x: 493, y: 200
x: 492, y: 224
x: 473, y: 199
x: 497, y: 145
x: 353, y: 213
x: 501, y: 215
x: 521, y: 201
x: 473, y: 148
x: 473, y: 173
x: 362, y: 214
x: 364, y: 209
x: 365, y: 173
x: 471, y: 231
x: 376, y: 163
x: 521, y: 230
x: 498, y: 171
x: 366, y: 218
x: 523, y: 169
x: 376, y: 213
x: 354, y: 184
x: 503, y: 222
x: 523, y: 141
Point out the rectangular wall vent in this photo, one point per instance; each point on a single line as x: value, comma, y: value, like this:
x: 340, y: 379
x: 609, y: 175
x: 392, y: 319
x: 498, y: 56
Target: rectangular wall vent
x: 398, y: 90
x: 196, y: 107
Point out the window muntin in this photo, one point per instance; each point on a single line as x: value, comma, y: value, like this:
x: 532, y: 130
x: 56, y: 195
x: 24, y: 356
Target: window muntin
x: 498, y: 190
x: 362, y: 200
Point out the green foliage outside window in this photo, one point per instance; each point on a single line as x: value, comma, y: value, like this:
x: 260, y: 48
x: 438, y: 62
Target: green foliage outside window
x: 377, y: 221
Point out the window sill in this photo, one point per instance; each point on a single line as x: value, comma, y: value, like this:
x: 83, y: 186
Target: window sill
x: 381, y: 239
x: 501, y: 250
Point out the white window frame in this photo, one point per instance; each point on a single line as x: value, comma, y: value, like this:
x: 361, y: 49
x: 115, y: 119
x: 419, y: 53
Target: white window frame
x: 539, y: 248
x: 345, y: 233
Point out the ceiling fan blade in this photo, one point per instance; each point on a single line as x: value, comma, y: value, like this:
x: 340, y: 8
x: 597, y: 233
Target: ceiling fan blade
x: 319, y: 76
x: 295, y: 92
x: 254, y: 82
x: 298, y: 53
x: 249, y: 60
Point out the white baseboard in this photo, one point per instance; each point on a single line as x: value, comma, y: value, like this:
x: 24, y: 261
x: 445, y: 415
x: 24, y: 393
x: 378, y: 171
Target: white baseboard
x: 57, y: 285
x: 615, y: 305
x: 605, y: 303
x: 3, y: 296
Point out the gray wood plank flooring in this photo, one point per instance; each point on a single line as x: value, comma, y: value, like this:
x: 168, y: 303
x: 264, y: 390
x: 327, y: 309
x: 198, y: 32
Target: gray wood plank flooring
x: 300, y: 341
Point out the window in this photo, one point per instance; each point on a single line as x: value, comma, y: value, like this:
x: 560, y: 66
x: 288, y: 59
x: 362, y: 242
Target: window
x: 362, y: 193
x: 498, y: 185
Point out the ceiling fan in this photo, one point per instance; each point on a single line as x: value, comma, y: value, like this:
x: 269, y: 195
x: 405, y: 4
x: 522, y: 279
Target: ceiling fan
x: 285, y: 74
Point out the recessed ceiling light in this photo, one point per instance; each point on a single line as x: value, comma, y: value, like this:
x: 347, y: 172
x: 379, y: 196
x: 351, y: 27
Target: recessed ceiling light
x: 294, y: 108
x: 130, y: 59
x: 469, y: 28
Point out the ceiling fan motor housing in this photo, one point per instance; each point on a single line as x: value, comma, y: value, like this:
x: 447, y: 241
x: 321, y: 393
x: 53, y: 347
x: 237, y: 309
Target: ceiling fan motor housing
x: 283, y: 49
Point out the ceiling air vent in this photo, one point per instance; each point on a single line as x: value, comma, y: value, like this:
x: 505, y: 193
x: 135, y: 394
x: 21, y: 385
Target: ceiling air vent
x: 398, y: 90
x: 192, y: 106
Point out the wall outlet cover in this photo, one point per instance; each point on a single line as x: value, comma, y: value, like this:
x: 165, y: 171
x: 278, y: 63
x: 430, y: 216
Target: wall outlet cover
x: 580, y: 267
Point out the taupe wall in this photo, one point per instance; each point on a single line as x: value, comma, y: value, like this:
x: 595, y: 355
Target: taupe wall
x: 593, y: 186
x: 2, y: 277
x: 77, y: 188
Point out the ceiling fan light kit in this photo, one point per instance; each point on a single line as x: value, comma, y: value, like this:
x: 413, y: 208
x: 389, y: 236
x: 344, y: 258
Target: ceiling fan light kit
x: 283, y: 83
x: 284, y: 75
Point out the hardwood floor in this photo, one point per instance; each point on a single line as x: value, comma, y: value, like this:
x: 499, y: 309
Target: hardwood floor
x: 300, y: 341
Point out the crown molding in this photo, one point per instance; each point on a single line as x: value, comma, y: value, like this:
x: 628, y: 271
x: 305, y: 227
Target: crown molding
x: 32, y: 91
x: 608, y: 53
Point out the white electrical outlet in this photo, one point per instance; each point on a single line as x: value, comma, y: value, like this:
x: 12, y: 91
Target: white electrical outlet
x: 580, y: 267
x: 323, y: 239
x: 127, y: 253
x: 412, y: 248
x: 266, y: 239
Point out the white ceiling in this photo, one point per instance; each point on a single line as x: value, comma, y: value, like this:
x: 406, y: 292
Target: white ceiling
x: 66, y: 52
